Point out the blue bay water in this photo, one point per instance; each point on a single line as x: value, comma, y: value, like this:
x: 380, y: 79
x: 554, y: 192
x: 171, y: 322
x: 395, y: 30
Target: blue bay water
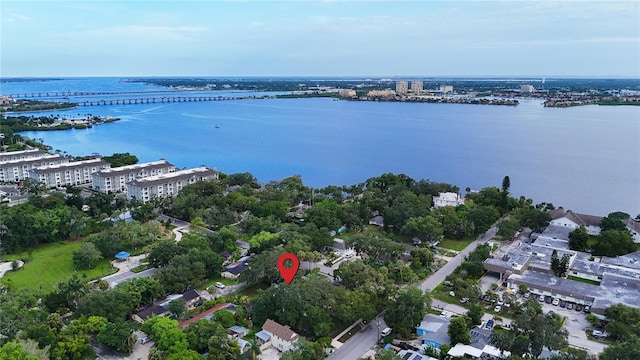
x: 584, y: 158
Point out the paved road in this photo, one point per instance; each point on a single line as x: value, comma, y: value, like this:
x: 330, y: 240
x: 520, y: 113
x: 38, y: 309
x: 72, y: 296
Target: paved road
x: 127, y: 275
x: 361, y: 342
x: 439, y: 276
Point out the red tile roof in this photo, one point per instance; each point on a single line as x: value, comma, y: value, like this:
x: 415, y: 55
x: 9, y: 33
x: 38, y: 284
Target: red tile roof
x: 203, y: 314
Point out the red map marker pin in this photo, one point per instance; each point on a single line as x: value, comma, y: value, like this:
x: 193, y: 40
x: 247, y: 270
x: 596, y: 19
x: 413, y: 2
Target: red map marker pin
x: 288, y: 273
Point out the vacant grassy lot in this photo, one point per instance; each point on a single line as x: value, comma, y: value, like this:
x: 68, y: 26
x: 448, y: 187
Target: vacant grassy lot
x: 50, y: 264
x: 457, y: 245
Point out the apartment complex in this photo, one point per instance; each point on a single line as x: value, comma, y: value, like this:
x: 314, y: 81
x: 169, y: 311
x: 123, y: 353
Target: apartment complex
x: 167, y: 185
x: 402, y: 87
x: 116, y: 179
x: 68, y: 173
x: 21, y: 155
x: 416, y: 87
x: 19, y: 165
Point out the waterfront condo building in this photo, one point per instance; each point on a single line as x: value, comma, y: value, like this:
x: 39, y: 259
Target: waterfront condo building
x: 18, y: 169
x: 116, y: 179
x: 526, y: 88
x: 167, y: 185
x: 21, y: 155
x: 416, y: 87
x: 402, y: 87
x: 70, y: 173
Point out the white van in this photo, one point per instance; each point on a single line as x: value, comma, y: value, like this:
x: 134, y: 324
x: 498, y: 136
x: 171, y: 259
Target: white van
x: 385, y: 332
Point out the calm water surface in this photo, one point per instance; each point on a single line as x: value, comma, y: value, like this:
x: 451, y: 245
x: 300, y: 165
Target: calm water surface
x: 585, y: 158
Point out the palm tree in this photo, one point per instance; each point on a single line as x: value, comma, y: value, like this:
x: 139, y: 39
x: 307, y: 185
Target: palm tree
x: 74, y: 288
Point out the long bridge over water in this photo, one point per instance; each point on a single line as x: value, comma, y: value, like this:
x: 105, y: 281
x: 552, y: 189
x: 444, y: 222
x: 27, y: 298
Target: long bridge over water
x: 165, y: 99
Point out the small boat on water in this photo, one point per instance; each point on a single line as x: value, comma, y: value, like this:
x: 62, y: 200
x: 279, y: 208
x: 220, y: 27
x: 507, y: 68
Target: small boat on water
x: 217, y: 126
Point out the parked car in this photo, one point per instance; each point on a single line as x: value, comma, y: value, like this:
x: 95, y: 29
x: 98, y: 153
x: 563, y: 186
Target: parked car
x: 599, y: 334
x: 464, y: 300
x: 386, y: 332
x: 578, y: 307
x: 548, y: 299
x: 569, y: 306
x: 497, y: 308
x: 526, y: 295
x: 541, y: 298
x: 145, y: 340
x: 489, y: 324
x: 587, y: 309
x: 555, y: 302
x: 220, y: 285
x: 563, y: 304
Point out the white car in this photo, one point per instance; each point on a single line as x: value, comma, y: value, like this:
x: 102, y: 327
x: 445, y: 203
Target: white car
x: 220, y: 285
x: 555, y: 302
x: 497, y: 308
x: 386, y: 332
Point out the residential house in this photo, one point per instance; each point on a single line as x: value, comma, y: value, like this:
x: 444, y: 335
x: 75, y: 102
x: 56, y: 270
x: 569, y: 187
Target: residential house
x: 192, y: 298
x: 575, y: 220
x: 448, y: 199
x: 412, y: 355
x: 226, y: 256
x: 207, y: 314
x: 433, y: 330
x: 238, y: 332
x: 634, y: 228
x: 377, y: 220
x: 233, y: 271
x: 157, y: 310
x: 280, y: 337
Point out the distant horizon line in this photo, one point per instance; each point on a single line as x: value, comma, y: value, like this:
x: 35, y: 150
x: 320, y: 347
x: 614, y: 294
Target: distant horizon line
x: 364, y: 77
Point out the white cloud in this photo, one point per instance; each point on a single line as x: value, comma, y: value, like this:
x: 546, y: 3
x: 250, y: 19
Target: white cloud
x: 14, y: 16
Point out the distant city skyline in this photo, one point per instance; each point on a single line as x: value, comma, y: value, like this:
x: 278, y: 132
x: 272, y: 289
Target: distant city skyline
x: 320, y: 38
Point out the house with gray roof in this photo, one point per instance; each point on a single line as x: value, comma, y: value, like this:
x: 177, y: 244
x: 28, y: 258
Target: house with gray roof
x: 433, y: 330
x: 634, y: 228
x: 574, y: 220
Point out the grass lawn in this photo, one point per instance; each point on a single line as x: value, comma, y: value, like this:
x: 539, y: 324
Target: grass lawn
x: 457, y: 245
x: 50, y: 264
x: 213, y: 281
x: 586, y: 281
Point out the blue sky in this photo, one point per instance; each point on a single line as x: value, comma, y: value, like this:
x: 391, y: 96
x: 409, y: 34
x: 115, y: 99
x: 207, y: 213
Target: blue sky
x: 322, y: 38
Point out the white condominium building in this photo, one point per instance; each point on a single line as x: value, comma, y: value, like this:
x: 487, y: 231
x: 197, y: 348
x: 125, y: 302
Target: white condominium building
x: 116, y: 179
x: 167, y: 185
x: 21, y: 154
x: 71, y: 173
x: 18, y: 169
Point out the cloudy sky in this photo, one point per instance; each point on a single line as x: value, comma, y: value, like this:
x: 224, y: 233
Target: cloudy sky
x: 321, y: 38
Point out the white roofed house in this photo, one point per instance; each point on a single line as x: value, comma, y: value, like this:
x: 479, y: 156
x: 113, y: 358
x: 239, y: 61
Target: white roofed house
x: 448, y: 199
x: 573, y: 220
x: 634, y: 229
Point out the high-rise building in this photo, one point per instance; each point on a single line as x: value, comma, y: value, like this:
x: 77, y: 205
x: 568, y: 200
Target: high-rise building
x: 416, y: 87
x: 402, y: 87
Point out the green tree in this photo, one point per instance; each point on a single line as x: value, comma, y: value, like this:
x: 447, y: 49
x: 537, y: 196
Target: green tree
x: 121, y: 159
x: 474, y: 314
x: 530, y: 331
x: 578, y: 239
x: 221, y: 347
x: 613, y: 243
x: 199, y: 333
x: 406, y: 311
x: 118, y: 336
x: 508, y: 228
x: 225, y: 318
x: 306, y: 350
x: 627, y: 350
x: 385, y: 354
x: 87, y: 256
x: 613, y: 221
x: 458, y: 331
x: 166, y: 334
x: 14, y: 351
x: 426, y: 228
x: 261, y: 269
x: 180, y: 274
x: 178, y: 307
x: 162, y: 252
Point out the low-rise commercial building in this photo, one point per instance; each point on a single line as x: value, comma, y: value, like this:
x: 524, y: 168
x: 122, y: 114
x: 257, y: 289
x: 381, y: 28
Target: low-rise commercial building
x: 69, y: 173
x: 116, y: 179
x: 167, y: 185
x: 18, y: 169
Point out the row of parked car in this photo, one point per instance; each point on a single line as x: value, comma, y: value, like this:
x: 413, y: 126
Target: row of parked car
x: 563, y: 304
